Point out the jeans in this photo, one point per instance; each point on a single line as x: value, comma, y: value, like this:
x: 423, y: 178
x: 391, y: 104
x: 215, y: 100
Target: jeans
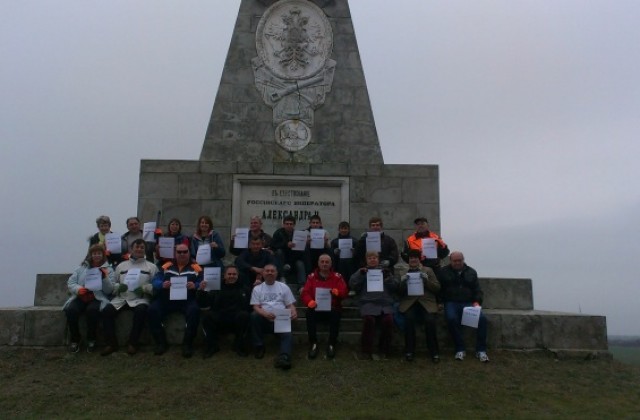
x: 161, y: 307
x: 332, y: 317
x: 73, y: 311
x: 453, y: 315
x: 261, y: 325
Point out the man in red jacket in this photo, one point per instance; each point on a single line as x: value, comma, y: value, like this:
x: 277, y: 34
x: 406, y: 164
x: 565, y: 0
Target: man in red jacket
x: 322, y: 285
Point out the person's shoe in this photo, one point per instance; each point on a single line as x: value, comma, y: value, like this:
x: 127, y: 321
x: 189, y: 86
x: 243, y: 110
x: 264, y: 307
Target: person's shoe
x: 160, y: 349
x: 352, y: 293
x: 331, y: 351
x: 241, y: 352
x: 482, y: 356
x: 91, y: 346
x: 187, y: 350
x: 131, y: 349
x: 313, y: 351
x: 210, y: 351
x: 108, y: 350
x: 460, y: 355
x: 409, y: 357
x: 283, y: 362
x: 435, y: 359
x: 259, y: 353
x: 74, y: 348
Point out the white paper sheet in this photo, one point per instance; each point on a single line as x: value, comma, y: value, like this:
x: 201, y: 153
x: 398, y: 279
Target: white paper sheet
x: 429, y: 248
x: 148, y: 232
x: 323, y: 299
x: 471, y: 316
x: 415, y: 286
x: 93, y: 279
x: 165, y: 247
x: 113, y: 242
x: 203, y: 256
x: 374, y: 280
x: 132, y: 279
x: 178, y: 290
x: 212, y: 277
x: 282, y: 323
x: 345, y: 247
x: 373, y: 242
x: 300, y: 240
x: 317, y: 238
x: 242, y: 238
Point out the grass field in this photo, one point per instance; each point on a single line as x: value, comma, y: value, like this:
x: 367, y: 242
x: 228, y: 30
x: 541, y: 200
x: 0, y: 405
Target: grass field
x: 46, y: 383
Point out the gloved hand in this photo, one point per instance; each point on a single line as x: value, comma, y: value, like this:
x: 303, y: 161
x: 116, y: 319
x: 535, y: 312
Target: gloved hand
x: 385, y: 263
x: 312, y: 304
x: 138, y: 291
x: 405, y: 277
x: 158, y: 232
x: 335, y: 292
x: 424, y: 276
x: 85, y: 295
x: 122, y: 288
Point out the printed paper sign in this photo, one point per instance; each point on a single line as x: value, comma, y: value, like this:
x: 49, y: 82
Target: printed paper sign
x: 93, y: 279
x: 415, y: 286
x: 373, y: 242
x: 317, y: 238
x: 132, y: 279
x: 345, y: 247
x: 212, y: 277
x: 471, y: 316
x: 323, y: 299
x: 282, y: 323
x: 113, y: 241
x: 242, y: 238
x: 148, y: 232
x: 165, y: 247
x: 203, y: 256
x: 374, y: 280
x: 429, y: 248
x: 300, y: 240
x: 178, y: 290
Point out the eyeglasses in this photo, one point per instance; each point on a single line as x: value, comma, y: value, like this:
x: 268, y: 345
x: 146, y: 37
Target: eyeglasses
x: 182, y: 252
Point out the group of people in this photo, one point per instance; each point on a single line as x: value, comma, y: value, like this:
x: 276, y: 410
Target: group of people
x: 253, y: 297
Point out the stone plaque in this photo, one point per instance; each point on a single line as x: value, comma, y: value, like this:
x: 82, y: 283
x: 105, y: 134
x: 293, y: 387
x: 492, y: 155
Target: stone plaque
x: 274, y: 197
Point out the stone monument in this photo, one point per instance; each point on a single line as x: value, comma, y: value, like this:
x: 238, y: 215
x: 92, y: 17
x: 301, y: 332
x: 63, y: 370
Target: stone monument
x: 292, y: 133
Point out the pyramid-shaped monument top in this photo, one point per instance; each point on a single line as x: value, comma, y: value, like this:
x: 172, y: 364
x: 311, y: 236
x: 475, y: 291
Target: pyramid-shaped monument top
x: 293, y: 88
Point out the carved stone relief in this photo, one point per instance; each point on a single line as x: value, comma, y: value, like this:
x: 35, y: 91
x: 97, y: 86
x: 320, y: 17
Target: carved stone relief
x: 293, y: 71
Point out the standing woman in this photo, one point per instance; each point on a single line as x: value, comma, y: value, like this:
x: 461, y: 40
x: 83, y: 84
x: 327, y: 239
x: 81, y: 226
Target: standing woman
x: 205, y: 236
x: 84, y: 300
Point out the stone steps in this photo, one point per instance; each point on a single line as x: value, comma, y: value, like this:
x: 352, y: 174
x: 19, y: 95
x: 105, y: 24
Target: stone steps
x: 508, y: 305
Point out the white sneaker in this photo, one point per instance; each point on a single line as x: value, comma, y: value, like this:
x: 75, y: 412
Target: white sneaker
x: 460, y: 355
x: 482, y: 356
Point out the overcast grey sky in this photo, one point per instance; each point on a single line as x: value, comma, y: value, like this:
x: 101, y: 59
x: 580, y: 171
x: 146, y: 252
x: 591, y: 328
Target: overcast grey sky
x: 530, y: 108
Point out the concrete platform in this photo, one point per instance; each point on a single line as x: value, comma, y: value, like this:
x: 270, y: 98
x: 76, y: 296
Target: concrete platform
x: 508, y: 305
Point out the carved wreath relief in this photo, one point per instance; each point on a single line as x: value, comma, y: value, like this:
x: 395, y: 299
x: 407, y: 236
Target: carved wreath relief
x: 292, y: 71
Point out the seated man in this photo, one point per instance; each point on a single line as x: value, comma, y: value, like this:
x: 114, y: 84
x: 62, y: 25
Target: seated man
x: 388, y: 253
x: 422, y: 307
x: 287, y: 257
x: 138, y: 271
x: 163, y: 305
x: 375, y: 307
x: 251, y: 262
x: 265, y: 298
x: 323, y: 278
x: 460, y: 288
x: 229, y: 311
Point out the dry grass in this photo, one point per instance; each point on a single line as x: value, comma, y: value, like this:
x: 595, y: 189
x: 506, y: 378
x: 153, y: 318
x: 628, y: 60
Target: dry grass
x: 45, y: 383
